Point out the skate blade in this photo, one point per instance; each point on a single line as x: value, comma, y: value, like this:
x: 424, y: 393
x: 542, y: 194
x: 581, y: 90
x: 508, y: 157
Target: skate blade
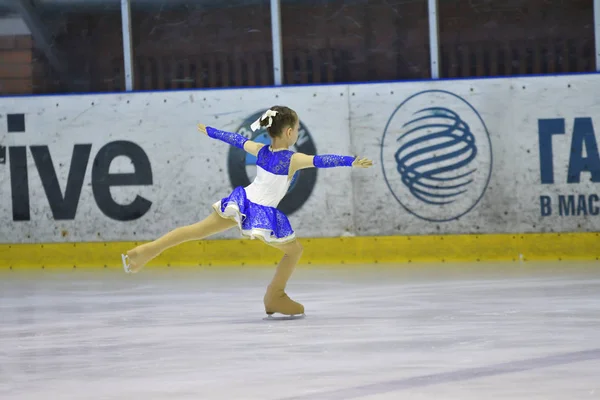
x: 283, y: 317
x: 125, y: 265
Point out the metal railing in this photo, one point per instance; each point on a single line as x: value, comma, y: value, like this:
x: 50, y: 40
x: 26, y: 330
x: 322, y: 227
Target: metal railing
x: 322, y: 42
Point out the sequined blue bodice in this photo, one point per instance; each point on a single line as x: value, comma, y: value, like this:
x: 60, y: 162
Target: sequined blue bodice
x: 276, y: 162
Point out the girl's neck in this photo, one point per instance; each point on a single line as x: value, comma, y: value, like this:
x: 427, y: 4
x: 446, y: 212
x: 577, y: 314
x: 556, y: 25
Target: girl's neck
x: 278, y: 144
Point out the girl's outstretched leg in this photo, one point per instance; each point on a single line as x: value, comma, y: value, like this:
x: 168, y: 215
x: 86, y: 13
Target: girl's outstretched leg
x: 276, y: 300
x: 141, y: 255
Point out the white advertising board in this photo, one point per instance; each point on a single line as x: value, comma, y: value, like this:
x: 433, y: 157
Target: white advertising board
x: 478, y: 156
x: 133, y: 166
x: 468, y: 156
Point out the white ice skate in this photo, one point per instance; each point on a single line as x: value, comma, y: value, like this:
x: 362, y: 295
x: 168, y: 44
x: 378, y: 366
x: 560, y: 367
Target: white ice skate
x: 126, y: 266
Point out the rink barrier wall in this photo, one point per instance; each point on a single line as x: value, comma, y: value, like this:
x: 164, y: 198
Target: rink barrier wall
x: 338, y: 252
x: 88, y: 175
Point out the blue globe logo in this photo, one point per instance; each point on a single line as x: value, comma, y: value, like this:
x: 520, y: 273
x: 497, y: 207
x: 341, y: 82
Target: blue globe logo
x: 436, y: 156
x: 427, y: 159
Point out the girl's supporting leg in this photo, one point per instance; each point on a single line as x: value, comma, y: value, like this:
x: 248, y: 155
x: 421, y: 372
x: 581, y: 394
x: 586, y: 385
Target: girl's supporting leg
x: 213, y: 224
x: 276, y: 300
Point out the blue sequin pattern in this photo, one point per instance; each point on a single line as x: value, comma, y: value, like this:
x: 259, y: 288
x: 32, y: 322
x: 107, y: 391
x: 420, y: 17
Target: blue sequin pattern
x: 234, y: 139
x: 255, y: 216
x: 275, y: 162
x: 332, y: 160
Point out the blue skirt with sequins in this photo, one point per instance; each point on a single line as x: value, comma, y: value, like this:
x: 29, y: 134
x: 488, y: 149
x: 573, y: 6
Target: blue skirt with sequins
x: 255, y: 220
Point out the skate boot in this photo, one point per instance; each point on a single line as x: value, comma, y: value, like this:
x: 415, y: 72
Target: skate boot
x: 277, y: 301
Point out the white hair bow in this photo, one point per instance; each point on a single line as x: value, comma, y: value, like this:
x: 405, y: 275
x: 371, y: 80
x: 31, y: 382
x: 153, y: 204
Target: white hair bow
x: 268, y: 114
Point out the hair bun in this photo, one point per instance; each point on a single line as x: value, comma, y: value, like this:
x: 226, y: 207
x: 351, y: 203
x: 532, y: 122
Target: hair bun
x: 275, y: 119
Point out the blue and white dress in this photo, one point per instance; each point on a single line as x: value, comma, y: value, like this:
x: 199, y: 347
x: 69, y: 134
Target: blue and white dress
x: 253, y: 206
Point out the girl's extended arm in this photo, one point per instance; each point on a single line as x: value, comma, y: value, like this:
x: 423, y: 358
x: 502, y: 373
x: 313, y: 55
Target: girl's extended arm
x: 302, y: 161
x: 234, y: 139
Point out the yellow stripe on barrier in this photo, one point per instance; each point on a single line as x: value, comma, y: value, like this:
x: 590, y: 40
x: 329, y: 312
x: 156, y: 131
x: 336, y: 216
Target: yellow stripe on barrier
x: 319, y: 251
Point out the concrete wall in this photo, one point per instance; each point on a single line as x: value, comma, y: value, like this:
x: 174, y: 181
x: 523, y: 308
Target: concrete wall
x: 16, y: 57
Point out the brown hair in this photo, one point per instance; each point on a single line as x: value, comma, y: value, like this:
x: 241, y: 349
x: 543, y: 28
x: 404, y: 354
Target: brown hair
x: 286, y: 117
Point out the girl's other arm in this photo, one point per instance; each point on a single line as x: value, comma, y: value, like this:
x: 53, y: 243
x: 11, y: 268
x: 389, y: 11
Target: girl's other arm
x: 234, y: 139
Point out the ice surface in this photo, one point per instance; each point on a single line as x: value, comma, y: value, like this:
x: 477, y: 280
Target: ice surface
x: 517, y: 331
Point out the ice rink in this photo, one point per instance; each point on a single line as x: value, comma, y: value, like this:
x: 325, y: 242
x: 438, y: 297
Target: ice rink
x: 485, y: 331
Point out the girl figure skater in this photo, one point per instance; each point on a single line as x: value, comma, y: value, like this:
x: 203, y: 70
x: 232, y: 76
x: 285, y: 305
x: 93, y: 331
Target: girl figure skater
x: 252, y: 208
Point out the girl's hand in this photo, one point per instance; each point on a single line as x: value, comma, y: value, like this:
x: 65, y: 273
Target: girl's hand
x: 202, y: 129
x: 362, y: 163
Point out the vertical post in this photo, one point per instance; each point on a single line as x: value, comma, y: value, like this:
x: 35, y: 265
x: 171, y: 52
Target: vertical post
x: 276, y: 40
x: 127, y: 52
x: 434, y: 48
x: 597, y: 32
